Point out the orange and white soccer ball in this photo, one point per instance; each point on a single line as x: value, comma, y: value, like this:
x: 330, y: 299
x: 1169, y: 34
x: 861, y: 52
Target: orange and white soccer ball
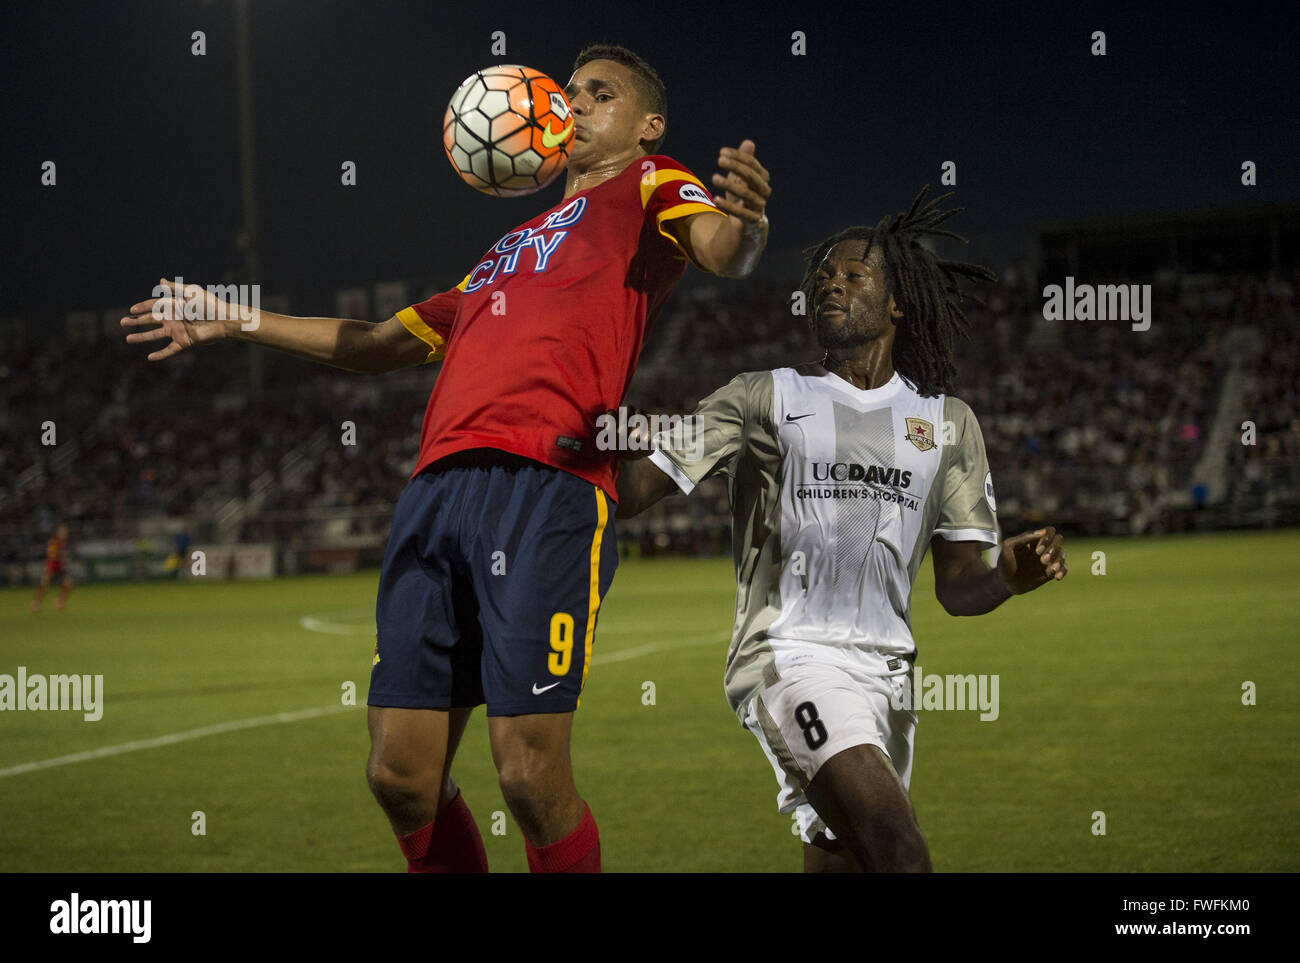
x: 508, y: 129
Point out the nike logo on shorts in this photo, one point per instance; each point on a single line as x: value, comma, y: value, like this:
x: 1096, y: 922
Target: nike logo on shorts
x: 545, y: 688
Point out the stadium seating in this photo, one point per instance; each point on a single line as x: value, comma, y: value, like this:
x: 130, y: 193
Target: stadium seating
x: 1088, y: 425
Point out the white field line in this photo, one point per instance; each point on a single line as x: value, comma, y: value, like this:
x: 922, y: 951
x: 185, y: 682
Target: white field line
x: 622, y: 655
x: 298, y: 715
x: 173, y: 738
x: 313, y: 624
x: 321, y: 622
x: 317, y: 623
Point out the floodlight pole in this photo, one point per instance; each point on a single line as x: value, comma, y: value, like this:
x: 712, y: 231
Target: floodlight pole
x: 247, y: 240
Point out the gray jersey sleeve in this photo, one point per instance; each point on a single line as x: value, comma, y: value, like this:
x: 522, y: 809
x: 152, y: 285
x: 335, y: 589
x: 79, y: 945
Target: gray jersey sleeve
x: 709, y: 441
x: 967, y: 510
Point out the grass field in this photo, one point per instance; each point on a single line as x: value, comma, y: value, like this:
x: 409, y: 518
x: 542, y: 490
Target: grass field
x: 1119, y: 693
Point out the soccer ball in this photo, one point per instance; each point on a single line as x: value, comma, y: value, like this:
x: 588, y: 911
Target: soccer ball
x: 507, y: 130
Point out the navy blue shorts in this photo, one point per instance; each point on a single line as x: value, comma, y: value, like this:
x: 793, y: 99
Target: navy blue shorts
x: 492, y: 579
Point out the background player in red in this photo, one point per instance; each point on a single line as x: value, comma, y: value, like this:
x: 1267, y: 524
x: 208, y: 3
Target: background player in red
x: 56, y: 552
x: 502, y: 546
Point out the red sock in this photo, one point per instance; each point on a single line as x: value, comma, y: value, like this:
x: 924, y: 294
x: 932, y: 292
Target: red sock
x: 449, y: 844
x: 578, y: 852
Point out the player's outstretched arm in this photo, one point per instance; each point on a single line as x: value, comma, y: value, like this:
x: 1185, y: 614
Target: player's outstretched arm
x: 730, y: 246
x: 965, y: 585
x: 641, y: 482
x: 186, y: 316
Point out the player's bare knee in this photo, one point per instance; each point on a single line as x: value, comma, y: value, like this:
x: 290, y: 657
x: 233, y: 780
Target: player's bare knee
x: 911, y: 854
x: 525, y: 780
x: 395, y: 788
x: 383, y: 781
x: 918, y: 858
x: 825, y: 855
x: 897, y: 846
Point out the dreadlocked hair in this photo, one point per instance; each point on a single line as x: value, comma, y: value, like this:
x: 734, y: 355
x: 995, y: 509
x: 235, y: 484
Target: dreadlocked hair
x: 927, y: 290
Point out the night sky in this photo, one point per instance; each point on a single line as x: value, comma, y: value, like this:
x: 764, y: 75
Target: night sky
x: 144, y: 134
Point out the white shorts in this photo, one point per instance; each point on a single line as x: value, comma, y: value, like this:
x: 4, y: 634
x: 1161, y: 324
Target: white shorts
x: 829, y: 699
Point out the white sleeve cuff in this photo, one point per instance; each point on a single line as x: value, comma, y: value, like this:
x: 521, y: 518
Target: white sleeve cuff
x: 669, y: 468
x: 968, y: 535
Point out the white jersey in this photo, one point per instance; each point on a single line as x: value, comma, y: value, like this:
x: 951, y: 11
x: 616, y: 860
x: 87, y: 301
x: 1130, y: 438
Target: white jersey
x: 835, y: 493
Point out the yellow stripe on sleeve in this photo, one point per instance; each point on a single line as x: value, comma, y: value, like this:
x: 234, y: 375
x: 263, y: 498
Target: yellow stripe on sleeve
x: 415, y: 324
x: 652, y: 181
x: 656, y: 179
x: 682, y: 210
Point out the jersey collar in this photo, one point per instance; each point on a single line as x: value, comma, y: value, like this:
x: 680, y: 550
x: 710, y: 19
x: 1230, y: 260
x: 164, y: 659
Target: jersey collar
x: 861, y: 394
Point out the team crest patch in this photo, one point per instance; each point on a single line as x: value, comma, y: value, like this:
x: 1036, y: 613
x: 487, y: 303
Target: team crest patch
x: 920, y: 433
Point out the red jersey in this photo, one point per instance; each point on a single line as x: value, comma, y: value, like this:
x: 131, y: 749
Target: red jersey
x: 542, y: 336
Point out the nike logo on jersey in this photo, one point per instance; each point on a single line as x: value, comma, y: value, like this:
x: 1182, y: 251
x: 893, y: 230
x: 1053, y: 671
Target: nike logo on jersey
x: 545, y: 688
x: 797, y: 417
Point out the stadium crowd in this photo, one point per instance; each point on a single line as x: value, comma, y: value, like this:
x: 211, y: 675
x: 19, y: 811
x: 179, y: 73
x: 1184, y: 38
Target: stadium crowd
x: 1089, y: 425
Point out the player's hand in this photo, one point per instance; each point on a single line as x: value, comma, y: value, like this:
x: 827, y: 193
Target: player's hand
x: 744, y: 186
x: 188, y: 315
x: 639, y: 441
x: 1032, y: 559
